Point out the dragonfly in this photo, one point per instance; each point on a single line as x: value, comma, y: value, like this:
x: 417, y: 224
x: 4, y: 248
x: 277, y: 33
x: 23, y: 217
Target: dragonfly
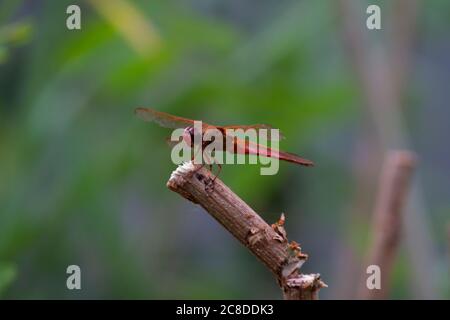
x: 240, y: 146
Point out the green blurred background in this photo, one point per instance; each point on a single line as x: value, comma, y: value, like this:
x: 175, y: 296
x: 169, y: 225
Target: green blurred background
x: 83, y: 181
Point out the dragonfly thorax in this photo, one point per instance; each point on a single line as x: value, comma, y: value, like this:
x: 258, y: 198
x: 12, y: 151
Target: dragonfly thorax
x: 191, y: 136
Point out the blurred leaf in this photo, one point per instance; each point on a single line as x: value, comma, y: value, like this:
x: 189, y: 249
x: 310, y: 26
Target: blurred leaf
x: 8, y: 274
x: 16, y: 33
x: 13, y: 35
x: 136, y: 29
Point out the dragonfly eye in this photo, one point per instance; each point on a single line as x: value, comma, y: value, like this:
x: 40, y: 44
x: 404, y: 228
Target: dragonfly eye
x: 189, y: 135
x: 190, y: 132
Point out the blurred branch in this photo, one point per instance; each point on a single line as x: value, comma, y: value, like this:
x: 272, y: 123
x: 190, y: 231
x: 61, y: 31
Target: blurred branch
x: 268, y: 243
x: 383, y: 73
x: 392, y: 194
x: 403, y: 21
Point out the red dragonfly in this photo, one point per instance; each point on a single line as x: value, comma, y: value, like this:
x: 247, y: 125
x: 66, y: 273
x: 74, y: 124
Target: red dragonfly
x: 241, y: 146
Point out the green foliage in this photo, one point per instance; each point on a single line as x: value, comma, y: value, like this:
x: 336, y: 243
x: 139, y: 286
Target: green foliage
x: 83, y: 181
x: 7, y: 275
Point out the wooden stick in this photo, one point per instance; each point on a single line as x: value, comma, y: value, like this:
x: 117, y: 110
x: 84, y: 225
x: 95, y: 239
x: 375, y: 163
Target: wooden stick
x: 392, y: 195
x: 268, y: 243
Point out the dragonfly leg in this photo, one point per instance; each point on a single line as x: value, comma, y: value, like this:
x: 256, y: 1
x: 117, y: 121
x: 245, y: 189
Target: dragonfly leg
x: 211, y: 183
x: 208, y: 161
x: 218, y: 172
x: 192, y: 159
x: 196, y: 153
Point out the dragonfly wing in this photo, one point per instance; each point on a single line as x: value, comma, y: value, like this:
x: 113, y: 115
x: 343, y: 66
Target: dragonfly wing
x: 258, y: 127
x: 163, y: 119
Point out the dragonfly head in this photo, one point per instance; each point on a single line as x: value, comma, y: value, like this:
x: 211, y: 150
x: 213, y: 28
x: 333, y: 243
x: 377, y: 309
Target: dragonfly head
x: 188, y: 135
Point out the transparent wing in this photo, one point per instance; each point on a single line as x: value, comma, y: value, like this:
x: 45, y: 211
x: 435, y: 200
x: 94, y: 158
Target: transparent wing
x: 163, y: 119
x: 257, y: 128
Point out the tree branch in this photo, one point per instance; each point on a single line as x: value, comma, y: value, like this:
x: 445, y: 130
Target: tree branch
x: 392, y: 195
x: 268, y: 243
